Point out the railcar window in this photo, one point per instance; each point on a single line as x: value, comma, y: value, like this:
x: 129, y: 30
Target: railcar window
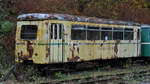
x: 29, y: 32
x: 93, y: 33
x: 128, y: 34
x: 117, y: 34
x: 78, y: 32
x: 106, y: 34
x: 61, y: 27
x: 56, y: 31
x: 51, y: 31
x: 138, y: 34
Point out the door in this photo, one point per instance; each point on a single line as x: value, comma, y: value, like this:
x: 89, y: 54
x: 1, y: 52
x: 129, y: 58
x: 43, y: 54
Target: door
x: 56, y: 43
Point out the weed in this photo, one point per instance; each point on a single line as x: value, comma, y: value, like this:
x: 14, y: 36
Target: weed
x: 99, y: 69
x: 106, y: 67
x: 59, y: 75
x: 136, y: 74
x: 31, y: 72
x: 87, y: 74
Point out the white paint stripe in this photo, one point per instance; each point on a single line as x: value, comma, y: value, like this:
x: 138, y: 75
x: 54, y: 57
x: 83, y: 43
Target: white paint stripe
x: 146, y: 43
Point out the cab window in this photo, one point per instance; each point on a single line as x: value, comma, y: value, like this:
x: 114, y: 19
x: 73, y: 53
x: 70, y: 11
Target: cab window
x: 29, y: 32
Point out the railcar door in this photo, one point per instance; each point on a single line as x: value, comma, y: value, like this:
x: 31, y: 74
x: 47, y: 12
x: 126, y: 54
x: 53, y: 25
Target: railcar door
x: 56, y: 42
x: 145, y: 40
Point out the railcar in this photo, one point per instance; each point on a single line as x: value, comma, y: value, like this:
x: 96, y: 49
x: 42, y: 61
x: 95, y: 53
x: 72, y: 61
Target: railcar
x: 62, y: 38
x: 145, y: 40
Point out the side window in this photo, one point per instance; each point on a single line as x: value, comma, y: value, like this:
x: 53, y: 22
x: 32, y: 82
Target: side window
x: 56, y: 31
x: 128, y: 34
x: 29, y: 32
x: 118, y: 34
x: 106, y: 33
x: 78, y: 32
x: 138, y: 34
x: 93, y: 33
x: 61, y: 27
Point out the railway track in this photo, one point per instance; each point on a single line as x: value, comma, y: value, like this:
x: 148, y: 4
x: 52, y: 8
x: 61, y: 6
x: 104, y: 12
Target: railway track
x: 100, y: 77
x: 92, y: 75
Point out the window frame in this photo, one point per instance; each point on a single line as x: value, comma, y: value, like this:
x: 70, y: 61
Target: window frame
x: 118, y: 30
x: 107, y: 29
x: 95, y: 29
x: 35, y: 38
x: 101, y: 29
x: 73, y: 27
x: 133, y: 31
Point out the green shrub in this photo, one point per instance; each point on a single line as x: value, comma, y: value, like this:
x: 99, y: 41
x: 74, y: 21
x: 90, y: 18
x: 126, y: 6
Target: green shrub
x: 59, y: 75
x: 3, y: 16
x: 6, y: 26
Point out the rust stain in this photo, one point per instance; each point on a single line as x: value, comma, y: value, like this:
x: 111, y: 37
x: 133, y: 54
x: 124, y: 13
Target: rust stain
x: 29, y: 50
x: 29, y: 17
x: 116, y: 49
x: 54, y: 16
x: 82, y: 60
x: 48, y: 51
x: 78, y: 50
x: 73, y: 51
x: 74, y: 58
x: 46, y: 23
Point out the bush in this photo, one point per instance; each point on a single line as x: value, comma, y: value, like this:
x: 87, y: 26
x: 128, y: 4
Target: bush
x: 6, y: 26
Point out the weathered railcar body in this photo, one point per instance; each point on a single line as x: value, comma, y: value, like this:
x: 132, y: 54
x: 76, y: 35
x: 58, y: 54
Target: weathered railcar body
x: 60, y: 38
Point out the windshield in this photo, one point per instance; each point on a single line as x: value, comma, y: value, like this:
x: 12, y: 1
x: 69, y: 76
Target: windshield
x: 29, y: 32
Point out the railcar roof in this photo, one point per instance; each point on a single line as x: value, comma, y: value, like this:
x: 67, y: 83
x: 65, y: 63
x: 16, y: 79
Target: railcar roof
x: 145, y: 26
x: 67, y: 17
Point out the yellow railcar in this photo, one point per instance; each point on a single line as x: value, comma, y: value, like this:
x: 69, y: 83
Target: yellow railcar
x: 61, y: 38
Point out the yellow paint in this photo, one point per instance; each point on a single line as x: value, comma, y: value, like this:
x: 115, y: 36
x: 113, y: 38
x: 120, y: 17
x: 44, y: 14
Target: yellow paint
x: 61, y: 53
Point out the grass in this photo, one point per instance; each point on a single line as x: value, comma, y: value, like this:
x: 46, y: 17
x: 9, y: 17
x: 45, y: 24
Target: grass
x: 132, y: 78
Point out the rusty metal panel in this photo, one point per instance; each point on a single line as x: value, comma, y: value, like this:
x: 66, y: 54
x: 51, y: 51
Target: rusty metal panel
x: 32, y: 49
x: 44, y: 50
x: 110, y: 49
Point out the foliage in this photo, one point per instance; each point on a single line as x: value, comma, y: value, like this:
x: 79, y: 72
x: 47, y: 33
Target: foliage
x: 127, y: 10
x: 86, y: 74
x: 27, y: 72
x: 59, y: 75
x: 2, y: 53
x: 6, y: 26
x: 3, y: 16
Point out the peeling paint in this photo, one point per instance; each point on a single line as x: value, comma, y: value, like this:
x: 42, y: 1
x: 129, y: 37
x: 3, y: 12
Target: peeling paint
x: 44, y: 50
x: 48, y: 52
x: 116, y: 49
x: 40, y: 16
x: 30, y: 49
x: 74, y: 59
